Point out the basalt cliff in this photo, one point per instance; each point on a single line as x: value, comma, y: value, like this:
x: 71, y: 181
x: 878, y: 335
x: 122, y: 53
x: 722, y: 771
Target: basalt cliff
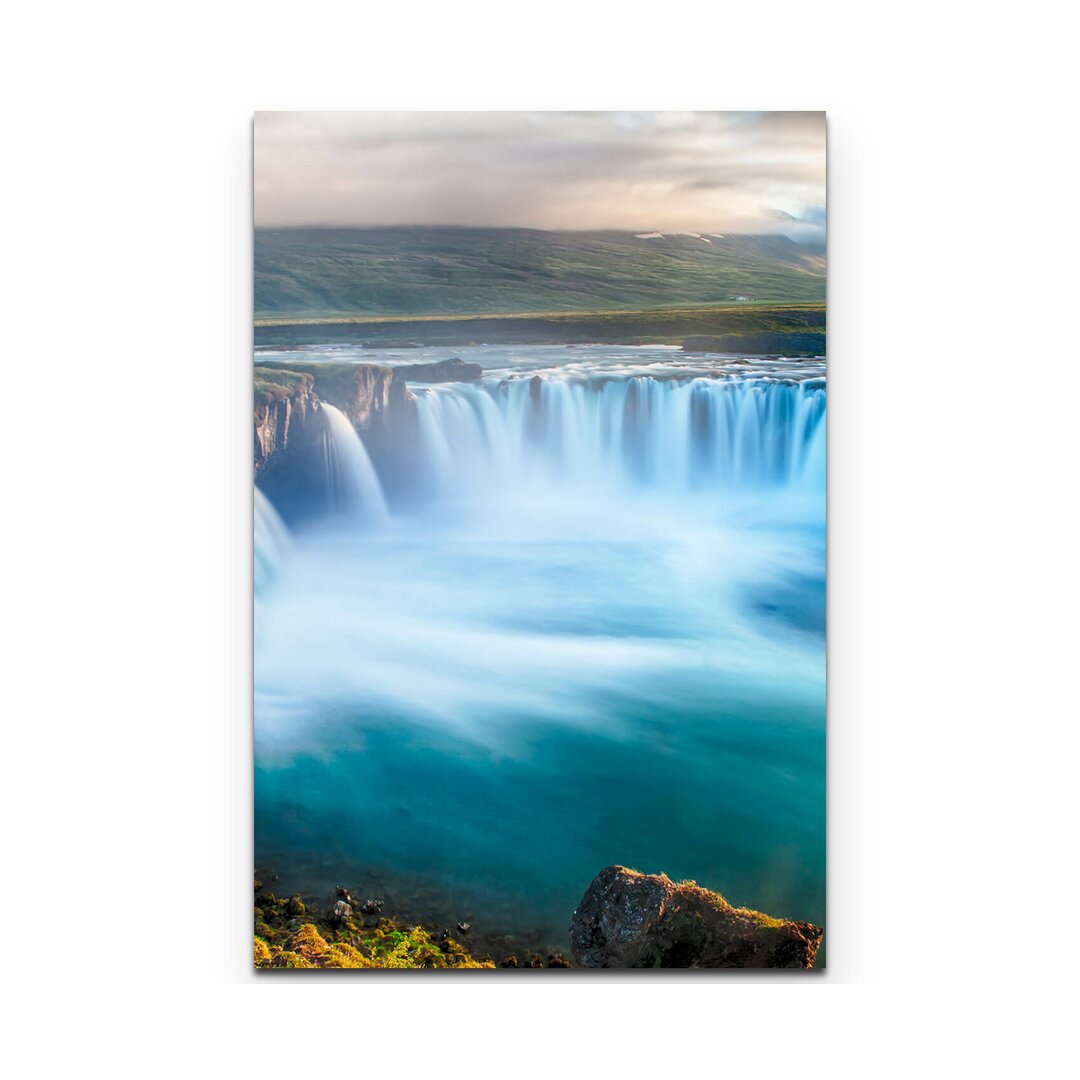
x: 287, y: 399
x: 290, y: 424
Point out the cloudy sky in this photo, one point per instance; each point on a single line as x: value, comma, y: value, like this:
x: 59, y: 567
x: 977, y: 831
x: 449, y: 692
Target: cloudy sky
x: 693, y: 172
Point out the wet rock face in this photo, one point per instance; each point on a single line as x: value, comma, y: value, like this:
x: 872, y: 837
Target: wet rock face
x: 281, y: 419
x: 365, y: 393
x: 368, y: 394
x: 290, y: 423
x: 631, y: 920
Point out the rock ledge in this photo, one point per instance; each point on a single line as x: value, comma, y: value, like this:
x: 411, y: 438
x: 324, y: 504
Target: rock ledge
x: 632, y: 920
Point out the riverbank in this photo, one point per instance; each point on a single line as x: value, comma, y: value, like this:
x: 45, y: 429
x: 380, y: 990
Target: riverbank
x: 624, y: 919
x: 384, y: 921
x: 787, y: 329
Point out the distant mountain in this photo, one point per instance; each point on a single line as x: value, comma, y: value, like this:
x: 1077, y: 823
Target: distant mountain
x: 319, y: 273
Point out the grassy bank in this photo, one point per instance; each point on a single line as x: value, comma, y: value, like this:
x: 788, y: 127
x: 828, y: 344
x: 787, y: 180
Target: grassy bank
x: 774, y: 327
x: 408, y: 270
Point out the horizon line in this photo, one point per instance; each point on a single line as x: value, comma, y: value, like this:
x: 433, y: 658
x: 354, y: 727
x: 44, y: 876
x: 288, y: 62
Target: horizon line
x: 636, y: 232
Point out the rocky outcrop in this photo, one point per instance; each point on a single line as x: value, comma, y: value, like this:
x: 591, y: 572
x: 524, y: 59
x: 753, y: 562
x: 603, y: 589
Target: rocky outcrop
x: 453, y: 370
x: 287, y: 397
x: 631, y: 920
x: 284, y: 408
x: 365, y: 393
x: 290, y: 420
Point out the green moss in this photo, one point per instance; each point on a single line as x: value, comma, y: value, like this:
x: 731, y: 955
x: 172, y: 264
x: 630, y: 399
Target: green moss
x: 279, y: 383
x: 307, y: 942
x: 759, y: 917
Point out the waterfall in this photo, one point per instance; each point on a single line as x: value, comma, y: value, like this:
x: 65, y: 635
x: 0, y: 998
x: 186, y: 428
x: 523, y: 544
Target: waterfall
x: 606, y: 566
x: 352, y: 485
x: 271, y: 541
x: 641, y: 432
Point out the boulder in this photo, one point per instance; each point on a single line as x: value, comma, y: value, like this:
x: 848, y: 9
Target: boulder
x: 340, y: 912
x: 631, y: 920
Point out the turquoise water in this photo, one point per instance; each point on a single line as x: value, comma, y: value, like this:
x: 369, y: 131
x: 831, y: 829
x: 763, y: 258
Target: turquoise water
x: 591, y: 632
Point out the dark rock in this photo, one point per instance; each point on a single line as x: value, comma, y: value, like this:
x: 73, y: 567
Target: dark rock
x: 631, y: 920
x: 557, y: 960
x: 290, y: 425
x: 344, y: 894
x: 464, y: 927
x: 296, y: 906
x: 340, y: 912
x: 509, y: 962
x: 371, y: 907
x: 284, y: 404
x: 453, y: 370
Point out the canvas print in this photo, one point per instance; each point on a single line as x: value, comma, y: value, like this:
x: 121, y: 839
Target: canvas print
x: 539, y: 540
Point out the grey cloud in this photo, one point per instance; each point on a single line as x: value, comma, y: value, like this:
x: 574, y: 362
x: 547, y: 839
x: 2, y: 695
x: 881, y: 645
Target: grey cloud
x: 666, y: 171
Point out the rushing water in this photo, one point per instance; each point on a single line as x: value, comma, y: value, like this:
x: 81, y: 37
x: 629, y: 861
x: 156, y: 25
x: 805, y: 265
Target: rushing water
x: 352, y: 486
x: 591, y: 632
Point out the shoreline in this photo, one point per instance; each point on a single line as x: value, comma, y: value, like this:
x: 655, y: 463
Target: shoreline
x: 624, y: 919
x: 385, y: 902
x: 788, y: 329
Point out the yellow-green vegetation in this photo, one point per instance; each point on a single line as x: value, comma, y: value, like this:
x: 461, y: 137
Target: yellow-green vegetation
x: 273, y: 385
x: 743, y: 314
x: 287, y: 935
x: 768, y: 922
x: 720, y: 903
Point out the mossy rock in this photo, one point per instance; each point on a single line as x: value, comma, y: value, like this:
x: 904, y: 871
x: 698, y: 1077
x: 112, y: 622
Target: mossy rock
x: 388, y: 944
x: 277, y: 384
x: 629, y: 919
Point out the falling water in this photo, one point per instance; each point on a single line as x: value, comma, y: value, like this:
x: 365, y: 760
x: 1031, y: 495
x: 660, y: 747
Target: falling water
x: 593, y: 633
x: 581, y: 434
x: 353, y: 487
x: 271, y: 541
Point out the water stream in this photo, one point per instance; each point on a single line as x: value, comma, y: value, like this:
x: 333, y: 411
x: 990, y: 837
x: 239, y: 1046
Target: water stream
x: 590, y: 631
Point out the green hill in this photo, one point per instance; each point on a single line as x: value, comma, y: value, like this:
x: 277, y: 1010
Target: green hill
x: 320, y: 273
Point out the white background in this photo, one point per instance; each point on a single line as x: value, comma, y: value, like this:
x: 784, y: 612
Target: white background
x: 124, y: 449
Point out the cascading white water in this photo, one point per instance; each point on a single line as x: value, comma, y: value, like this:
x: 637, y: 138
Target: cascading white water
x: 594, y: 632
x: 271, y: 541
x: 674, y: 434
x: 352, y: 484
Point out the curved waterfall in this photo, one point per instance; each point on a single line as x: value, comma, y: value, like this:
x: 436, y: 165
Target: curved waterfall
x: 675, y: 434
x: 352, y: 485
x: 595, y: 631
